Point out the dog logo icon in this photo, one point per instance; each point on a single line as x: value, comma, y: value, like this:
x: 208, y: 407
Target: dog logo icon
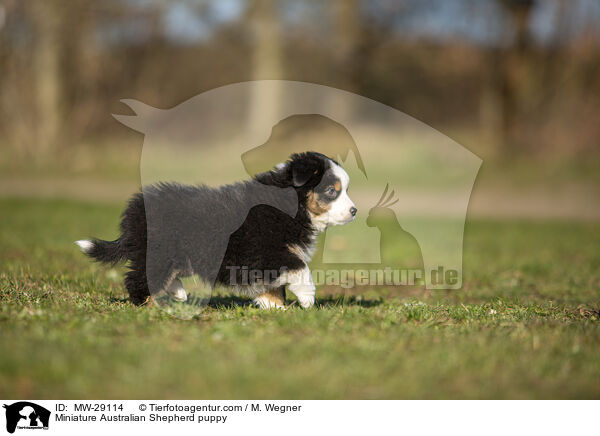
x: 26, y: 415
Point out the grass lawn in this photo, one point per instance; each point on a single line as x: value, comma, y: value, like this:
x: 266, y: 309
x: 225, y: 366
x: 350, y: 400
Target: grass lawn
x: 525, y: 324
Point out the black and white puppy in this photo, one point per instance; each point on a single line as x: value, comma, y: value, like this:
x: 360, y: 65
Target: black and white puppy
x: 268, y: 224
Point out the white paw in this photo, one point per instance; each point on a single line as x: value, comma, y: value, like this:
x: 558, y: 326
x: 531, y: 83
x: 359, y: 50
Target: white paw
x: 306, y: 301
x: 177, y: 292
x: 300, y: 282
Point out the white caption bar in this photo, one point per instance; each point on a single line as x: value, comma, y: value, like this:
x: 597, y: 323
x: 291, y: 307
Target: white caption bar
x: 298, y: 417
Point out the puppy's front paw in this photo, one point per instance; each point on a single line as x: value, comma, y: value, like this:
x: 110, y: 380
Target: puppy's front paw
x: 306, y: 301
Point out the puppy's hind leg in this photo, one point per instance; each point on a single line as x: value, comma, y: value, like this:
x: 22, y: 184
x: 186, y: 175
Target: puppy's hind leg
x: 272, y: 299
x: 137, y: 285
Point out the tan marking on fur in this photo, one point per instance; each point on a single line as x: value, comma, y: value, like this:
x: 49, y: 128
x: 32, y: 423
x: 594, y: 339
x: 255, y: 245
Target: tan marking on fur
x: 304, y: 254
x: 276, y: 296
x: 315, y: 206
x: 337, y: 186
x: 295, y: 249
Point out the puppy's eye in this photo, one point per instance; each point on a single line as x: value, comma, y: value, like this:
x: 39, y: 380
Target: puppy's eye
x: 331, y: 191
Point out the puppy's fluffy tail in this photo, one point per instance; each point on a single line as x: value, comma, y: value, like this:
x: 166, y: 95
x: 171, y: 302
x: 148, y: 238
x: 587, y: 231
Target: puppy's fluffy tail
x: 103, y: 251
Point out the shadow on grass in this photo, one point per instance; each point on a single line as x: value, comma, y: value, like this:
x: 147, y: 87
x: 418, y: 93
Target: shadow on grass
x: 347, y: 300
x: 228, y: 302
x: 232, y: 301
x: 118, y: 300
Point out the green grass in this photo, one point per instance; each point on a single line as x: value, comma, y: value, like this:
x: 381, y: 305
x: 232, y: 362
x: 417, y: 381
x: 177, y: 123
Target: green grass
x: 525, y: 325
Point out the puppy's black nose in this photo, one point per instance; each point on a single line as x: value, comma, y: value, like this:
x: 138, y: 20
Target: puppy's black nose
x: 353, y: 211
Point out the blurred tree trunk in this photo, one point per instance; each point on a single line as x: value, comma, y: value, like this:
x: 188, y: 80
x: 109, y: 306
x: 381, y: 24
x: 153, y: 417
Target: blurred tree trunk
x: 506, y: 66
x: 267, y: 63
x: 15, y: 114
x: 46, y: 61
x: 490, y: 104
x: 84, y: 66
x: 346, y: 39
x: 346, y: 25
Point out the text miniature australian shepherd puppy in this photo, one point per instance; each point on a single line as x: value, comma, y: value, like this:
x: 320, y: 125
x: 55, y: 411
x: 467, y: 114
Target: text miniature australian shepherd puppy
x: 269, y: 223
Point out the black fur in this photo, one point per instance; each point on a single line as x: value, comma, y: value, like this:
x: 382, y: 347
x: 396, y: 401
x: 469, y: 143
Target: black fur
x: 183, y: 221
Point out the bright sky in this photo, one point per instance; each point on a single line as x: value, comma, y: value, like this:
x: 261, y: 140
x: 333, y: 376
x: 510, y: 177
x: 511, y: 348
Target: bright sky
x: 479, y: 21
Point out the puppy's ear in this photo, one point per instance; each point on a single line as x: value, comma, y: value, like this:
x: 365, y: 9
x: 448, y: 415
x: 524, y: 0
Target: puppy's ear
x: 302, y: 171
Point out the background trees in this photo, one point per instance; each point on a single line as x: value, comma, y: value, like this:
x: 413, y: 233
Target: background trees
x: 507, y: 77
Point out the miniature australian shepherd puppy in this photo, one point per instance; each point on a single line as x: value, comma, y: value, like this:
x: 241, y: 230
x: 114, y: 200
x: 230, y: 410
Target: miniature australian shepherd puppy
x: 173, y: 231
